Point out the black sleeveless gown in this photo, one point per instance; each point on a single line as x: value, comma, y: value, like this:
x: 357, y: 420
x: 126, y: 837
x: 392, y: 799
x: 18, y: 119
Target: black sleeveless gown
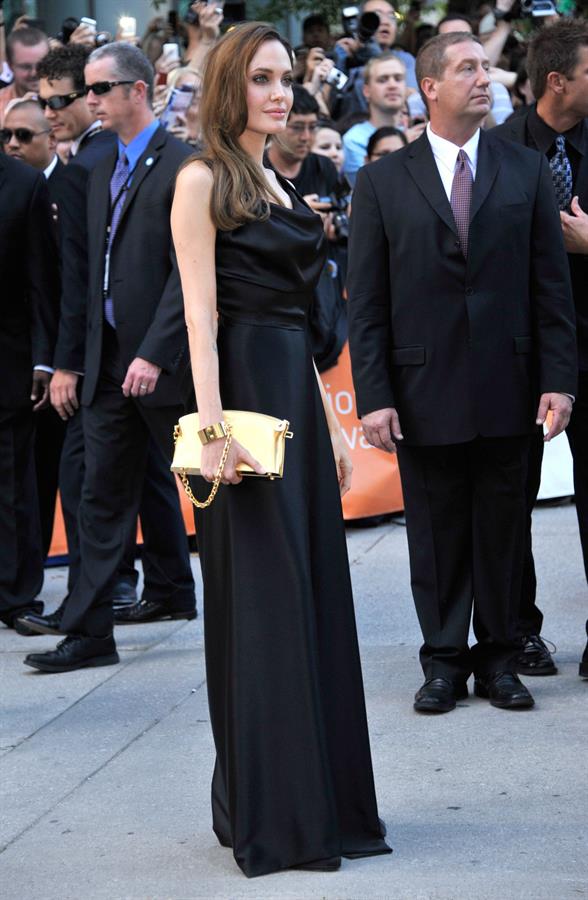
x: 293, y: 777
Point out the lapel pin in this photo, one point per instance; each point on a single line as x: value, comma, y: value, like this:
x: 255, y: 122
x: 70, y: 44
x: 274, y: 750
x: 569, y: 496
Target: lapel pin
x: 149, y: 161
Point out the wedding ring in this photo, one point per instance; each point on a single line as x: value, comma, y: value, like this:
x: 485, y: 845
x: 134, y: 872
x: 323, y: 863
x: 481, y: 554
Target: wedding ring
x: 143, y: 387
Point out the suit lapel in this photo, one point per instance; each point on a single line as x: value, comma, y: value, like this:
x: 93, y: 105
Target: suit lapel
x: 489, y: 155
x: 421, y: 164
x: 144, y: 167
x: 100, y: 214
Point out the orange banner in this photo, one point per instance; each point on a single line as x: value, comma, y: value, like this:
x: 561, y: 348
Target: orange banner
x: 375, y: 488
x: 376, y: 482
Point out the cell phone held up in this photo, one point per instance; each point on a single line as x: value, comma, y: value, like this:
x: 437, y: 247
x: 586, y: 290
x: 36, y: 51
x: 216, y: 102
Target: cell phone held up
x: 179, y: 101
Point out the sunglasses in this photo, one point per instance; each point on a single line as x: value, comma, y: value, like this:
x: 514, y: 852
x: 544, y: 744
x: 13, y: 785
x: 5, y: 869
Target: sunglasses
x: 22, y: 135
x: 60, y: 101
x: 104, y: 87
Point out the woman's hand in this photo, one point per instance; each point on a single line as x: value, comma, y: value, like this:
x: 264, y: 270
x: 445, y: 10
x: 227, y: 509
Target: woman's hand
x: 211, y: 457
x: 342, y: 461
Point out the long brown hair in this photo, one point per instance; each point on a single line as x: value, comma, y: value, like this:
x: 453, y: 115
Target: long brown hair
x: 240, y: 192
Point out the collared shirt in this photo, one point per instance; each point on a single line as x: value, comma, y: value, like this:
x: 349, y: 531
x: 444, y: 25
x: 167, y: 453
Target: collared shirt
x: 48, y: 172
x: 446, y: 153
x: 355, y: 142
x: 542, y: 138
x: 135, y: 149
x: 75, y: 145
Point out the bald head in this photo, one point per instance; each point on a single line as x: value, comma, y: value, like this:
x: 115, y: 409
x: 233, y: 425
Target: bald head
x: 30, y: 138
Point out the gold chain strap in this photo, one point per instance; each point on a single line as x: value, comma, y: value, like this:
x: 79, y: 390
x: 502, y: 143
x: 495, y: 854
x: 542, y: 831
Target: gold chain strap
x: 217, y: 477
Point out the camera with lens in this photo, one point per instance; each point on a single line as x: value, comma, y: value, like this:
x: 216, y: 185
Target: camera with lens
x: 340, y: 199
x: 538, y: 8
x: 362, y: 28
x: 70, y: 24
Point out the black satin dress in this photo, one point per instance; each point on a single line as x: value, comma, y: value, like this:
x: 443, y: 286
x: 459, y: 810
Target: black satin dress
x: 293, y: 778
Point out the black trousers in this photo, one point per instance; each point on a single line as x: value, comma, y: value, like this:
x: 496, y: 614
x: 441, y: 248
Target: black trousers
x: 21, y: 556
x: 465, y: 515
x: 166, y: 566
x: 117, y: 434
x: 530, y: 616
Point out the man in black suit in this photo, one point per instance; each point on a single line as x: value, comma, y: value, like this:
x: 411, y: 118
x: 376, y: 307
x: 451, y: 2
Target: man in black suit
x: 462, y: 338
x: 558, y: 69
x: 166, y: 561
x: 137, y: 378
x: 26, y: 137
x: 28, y: 315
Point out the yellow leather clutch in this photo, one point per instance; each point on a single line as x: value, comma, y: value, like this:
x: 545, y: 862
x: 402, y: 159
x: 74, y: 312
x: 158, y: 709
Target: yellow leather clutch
x: 263, y: 436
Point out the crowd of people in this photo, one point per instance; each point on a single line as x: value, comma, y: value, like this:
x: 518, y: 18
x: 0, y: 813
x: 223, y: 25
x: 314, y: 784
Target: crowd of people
x: 438, y: 177
x: 355, y: 100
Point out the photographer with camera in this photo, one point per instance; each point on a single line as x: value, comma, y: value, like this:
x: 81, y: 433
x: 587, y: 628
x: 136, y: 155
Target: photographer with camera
x: 316, y: 77
x: 315, y: 177
x: 370, y: 30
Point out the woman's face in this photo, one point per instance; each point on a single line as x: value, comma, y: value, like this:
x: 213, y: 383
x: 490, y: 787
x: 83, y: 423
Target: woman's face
x: 269, y: 89
x: 329, y: 143
x: 386, y: 145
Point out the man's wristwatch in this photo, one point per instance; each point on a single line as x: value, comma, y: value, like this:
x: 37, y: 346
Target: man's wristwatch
x: 213, y: 432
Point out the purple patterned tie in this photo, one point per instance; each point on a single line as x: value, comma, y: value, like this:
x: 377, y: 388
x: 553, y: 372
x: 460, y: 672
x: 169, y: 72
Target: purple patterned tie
x: 118, y: 182
x: 461, y: 198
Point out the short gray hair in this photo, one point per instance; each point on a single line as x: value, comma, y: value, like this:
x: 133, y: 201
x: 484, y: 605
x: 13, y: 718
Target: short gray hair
x: 130, y: 63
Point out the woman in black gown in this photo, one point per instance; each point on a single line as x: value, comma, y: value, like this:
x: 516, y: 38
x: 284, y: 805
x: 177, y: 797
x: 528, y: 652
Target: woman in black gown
x: 293, y: 783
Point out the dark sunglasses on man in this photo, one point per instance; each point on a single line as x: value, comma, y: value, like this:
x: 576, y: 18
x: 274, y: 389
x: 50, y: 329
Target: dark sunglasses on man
x: 104, y: 87
x: 22, y: 135
x: 60, y: 101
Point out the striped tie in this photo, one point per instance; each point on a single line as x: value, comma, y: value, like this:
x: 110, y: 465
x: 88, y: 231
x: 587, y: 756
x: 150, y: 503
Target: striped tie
x: 461, y: 198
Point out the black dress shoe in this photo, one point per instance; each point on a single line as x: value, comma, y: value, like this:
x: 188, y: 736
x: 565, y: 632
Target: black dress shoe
x: 124, y: 593
x: 321, y: 865
x: 504, y: 690
x: 150, y: 611
x: 31, y: 624
x: 439, y: 695
x: 535, y: 658
x: 76, y: 652
x: 10, y: 618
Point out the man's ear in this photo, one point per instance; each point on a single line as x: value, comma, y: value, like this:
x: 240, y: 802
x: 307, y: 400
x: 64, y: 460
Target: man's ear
x: 429, y: 89
x: 555, y: 82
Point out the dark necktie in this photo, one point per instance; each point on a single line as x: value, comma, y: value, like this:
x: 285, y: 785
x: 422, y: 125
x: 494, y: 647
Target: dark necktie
x: 561, y: 173
x: 461, y: 198
x: 118, y: 183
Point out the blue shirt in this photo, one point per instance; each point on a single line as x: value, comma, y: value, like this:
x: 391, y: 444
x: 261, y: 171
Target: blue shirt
x: 355, y: 143
x: 136, y: 148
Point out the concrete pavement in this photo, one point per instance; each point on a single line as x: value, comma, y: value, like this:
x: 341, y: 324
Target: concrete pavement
x: 105, y: 773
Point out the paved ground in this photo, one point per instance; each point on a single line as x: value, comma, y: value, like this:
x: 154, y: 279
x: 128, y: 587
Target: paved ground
x: 104, y: 773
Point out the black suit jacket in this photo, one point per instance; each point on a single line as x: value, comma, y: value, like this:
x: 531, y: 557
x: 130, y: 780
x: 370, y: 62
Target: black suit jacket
x: 460, y: 348
x: 516, y: 129
x: 29, y: 280
x: 55, y: 183
x: 72, y: 190
x: 144, y: 278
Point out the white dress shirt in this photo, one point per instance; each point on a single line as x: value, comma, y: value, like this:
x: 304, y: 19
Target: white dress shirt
x: 446, y: 153
x: 48, y: 172
x: 75, y: 145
